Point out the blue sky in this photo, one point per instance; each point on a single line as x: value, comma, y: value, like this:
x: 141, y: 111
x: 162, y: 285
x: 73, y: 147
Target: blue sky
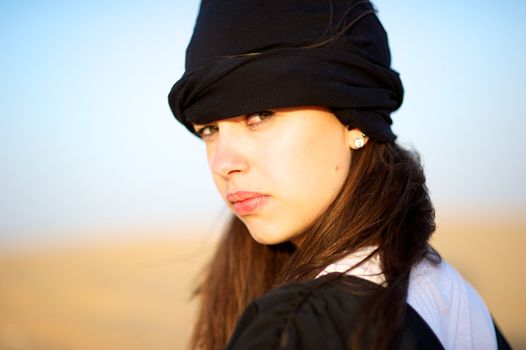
x: 88, y: 142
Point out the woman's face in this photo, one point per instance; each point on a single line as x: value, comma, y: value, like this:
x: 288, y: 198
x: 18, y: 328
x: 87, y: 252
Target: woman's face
x: 279, y: 170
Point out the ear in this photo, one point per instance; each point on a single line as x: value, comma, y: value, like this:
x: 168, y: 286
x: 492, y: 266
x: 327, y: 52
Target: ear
x: 356, y: 139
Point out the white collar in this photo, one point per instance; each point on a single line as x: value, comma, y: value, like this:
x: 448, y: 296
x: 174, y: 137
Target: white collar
x: 369, y: 270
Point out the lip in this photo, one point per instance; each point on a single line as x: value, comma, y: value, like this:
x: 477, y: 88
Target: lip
x: 246, y: 202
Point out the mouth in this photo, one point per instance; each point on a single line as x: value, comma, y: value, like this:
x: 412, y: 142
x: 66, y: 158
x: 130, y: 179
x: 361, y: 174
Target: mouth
x: 245, y: 202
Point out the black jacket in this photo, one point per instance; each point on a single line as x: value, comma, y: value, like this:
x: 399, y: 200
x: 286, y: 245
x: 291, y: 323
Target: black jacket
x: 321, y: 314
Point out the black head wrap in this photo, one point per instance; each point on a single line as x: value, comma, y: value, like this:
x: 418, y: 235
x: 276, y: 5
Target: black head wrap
x: 247, y: 56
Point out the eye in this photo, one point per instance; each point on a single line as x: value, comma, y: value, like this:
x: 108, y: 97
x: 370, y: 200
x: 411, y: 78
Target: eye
x: 206, y: 131
x: 254, y: 120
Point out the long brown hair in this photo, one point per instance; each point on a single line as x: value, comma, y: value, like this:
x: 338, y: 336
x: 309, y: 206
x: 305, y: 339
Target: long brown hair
x: 383, y: 203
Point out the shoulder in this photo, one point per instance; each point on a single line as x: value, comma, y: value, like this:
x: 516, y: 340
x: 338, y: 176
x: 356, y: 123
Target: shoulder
x: 317, y: 314
x: 451, y: 306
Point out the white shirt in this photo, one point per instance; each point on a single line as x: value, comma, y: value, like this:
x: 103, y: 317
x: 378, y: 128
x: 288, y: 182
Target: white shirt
x: 450, y: 305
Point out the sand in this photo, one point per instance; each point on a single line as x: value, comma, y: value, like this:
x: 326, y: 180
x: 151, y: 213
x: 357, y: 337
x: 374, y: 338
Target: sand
x: 135, y: 295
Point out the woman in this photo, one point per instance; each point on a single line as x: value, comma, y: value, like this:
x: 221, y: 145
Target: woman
x: 328, y: 245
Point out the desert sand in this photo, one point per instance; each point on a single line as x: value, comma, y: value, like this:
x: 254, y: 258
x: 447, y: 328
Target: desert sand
x: 136, y: 295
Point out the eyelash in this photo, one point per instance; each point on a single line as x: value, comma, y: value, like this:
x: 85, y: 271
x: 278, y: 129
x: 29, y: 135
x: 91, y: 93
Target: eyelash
x: 201, y: 132
x: 211, y: 129
x: 263, y: 115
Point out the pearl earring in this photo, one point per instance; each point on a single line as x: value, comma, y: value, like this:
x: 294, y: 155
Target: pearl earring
x: 359, y: 142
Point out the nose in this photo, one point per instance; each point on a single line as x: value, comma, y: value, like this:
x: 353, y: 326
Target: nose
x: 227, y: 158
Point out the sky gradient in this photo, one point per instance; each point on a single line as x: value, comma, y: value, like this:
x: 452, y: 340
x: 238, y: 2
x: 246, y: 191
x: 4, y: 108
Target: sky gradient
x: 88, y: 142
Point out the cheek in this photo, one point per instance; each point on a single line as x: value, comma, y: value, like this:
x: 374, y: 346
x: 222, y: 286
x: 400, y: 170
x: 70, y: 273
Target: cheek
x: 322, y: 176
x: 220, y: 186
x: 315, y: 161
x: 309, y: 175
x: 218, y: 180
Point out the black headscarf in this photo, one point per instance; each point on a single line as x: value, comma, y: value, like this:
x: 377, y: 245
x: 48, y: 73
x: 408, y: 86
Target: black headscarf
x: 247, y: 56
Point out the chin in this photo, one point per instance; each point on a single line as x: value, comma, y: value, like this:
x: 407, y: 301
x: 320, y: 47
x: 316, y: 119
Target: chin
x: 269, y: 236
x: 271, y: 232
x: 265, y: 239
x: 266, y: 236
